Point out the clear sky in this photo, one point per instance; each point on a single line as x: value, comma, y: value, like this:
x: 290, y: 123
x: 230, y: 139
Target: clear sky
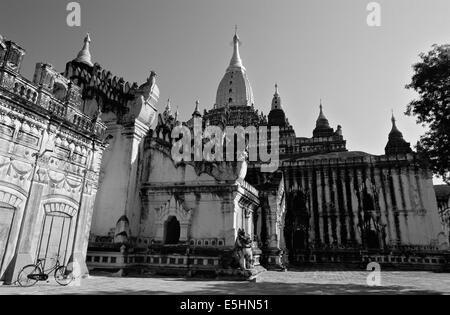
x: 313, y: 48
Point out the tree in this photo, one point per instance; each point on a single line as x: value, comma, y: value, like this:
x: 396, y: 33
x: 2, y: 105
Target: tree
x: 431, y: 80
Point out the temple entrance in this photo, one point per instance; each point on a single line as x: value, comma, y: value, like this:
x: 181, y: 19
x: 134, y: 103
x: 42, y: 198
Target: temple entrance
x: 372, y: 239
x: 56, y: 237
x: 172, y: 231
x: 299, y: 239
x: 296, y: 226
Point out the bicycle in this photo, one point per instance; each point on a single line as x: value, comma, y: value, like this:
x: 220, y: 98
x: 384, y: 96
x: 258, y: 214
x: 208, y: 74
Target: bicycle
x: 31, y: 274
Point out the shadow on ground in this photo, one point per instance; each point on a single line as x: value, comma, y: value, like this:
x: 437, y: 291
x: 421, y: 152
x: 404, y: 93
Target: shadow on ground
x: 275, y: 288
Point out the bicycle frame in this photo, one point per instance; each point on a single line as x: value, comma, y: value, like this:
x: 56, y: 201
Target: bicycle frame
x: 40, y: 264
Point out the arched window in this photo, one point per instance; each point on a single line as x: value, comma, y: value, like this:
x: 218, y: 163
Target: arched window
x: 56, y: 237
x: 230, y: 100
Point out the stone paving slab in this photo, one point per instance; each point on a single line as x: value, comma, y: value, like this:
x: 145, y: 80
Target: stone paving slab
x: 271, y: 282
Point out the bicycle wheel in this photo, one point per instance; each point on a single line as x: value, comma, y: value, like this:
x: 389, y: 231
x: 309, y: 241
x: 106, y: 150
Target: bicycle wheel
x: 64, y: 275
x: 28, y: 275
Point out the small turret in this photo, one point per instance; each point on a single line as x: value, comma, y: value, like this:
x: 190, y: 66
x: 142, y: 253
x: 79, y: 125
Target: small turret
x: 276, y: 100
x: 11, y: 55
x: 196, y: 112
x: 396, y: 143
x: 84, y: 56
x: 277, y: 117
x: 323, y: 128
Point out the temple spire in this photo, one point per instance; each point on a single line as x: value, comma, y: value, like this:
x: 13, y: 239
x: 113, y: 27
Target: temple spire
x: 236, y: 61
x: 84, y: 56
x: 321, y: 114
x: 394, y: 126
x: 276, y: 100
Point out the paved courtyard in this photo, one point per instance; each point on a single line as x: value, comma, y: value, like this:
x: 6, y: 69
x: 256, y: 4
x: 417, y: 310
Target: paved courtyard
x: 271, y: 282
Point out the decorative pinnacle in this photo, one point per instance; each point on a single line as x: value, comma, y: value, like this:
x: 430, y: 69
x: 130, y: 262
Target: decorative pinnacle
x: 84, y: 55
x: 393, y: 119
x: 196, y: 111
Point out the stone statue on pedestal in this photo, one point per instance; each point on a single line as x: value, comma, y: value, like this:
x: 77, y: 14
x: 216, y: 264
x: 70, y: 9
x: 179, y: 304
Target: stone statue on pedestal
x: 243, y: 250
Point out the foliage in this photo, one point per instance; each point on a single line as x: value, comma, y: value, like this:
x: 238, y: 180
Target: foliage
x: 431, y: 80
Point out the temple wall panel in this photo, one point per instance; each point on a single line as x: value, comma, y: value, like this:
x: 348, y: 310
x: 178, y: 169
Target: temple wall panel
x: 383, y: 208
x: 319, y: 199
x: 112, y: 195
x: 356, y: 182
x: 400, y: 206
x: 337, y: 217
x: 344, y: 204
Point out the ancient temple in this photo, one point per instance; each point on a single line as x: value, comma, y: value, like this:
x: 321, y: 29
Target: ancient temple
x: 88, y: 174
x: 166, y: 214
x: 324, y: 204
